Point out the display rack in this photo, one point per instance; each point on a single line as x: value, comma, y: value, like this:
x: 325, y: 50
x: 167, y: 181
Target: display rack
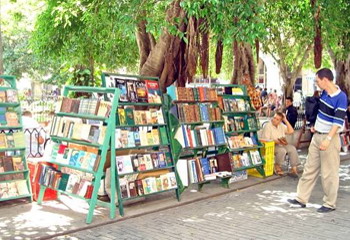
x: 105, y: 127
x: 14, y: 173
x: 239, y: 92
x: 189, y: 151
x: 142, y: 150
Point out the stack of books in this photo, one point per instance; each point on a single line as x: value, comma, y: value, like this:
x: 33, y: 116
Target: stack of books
x: 84, y: 106
x: 13, y: 189
x: 196, y: 113
x: 130, y: 116
x: 14, y: 140
x: 236, y: 105
x: 200, y: 136
x: 140, y: 136
x: 242, y: 141
x: 9, y: 96
x: 141, y: 162
x: 199, y: 94
x: 132, y: 187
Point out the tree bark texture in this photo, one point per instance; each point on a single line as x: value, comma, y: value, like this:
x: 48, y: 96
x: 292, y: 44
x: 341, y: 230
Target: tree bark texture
x: 144, y: 42
x: 244, y: 65
x: 342, y: 69
x: 204, y: 48
x: 218, y: 56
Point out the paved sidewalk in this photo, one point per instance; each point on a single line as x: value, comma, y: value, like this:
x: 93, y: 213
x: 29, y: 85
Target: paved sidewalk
x: 259, y: 212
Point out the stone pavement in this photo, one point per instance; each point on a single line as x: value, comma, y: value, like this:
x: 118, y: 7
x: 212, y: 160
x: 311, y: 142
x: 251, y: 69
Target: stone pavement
x: 259, y: 212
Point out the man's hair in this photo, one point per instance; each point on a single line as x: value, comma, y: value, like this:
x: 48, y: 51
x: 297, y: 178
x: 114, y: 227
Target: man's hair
x: 289, y: 98
x: 325, y: 73
x: 27, y: 113
x: 279, y: 114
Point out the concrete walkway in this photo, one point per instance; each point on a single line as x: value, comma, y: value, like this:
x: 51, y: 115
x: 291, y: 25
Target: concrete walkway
x: 65, y: 217
x: 259, y: 212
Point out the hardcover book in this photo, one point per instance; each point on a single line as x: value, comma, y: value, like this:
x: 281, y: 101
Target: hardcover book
x: 154, y: 94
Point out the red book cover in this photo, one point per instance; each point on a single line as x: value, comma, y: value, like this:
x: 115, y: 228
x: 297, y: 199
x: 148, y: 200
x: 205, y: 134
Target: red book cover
x: 61, y: 148
x: 189, y: 136
x: 89, y: 190
x: 154, y: 95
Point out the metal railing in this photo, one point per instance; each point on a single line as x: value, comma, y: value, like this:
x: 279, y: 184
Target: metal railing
x: 35, y: 147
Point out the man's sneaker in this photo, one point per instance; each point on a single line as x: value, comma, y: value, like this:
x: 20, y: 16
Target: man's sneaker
x: 295, y: 203
x: 324, y: 209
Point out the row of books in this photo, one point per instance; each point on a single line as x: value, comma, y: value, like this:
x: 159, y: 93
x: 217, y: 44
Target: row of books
x: 8, y: 117
x: 200, y: 136
x: 242, y: 141
x: 75, y: 128
x: 67, y: 182
x: 136, y: 90
x: 140, y: 136
x: 89, y: 106
x: 199, y: 94
x: 141, y: 162
x: 13, y: 189
x: 236, y: 105
x: 9, y: 96
x: 14, y: 140
x: 246, y: 159
x: 130, y: 187
x: 238, y: 123
x: 11, y: 163
x: 196, y: 113
x: 130, y: 116
x: 88, y: 160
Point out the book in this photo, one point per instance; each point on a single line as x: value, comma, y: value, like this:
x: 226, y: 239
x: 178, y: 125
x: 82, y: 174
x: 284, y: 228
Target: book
x: 121, y: 84
x: 131, y: 88
x: 3, y: 142
x: 3, y: 96
x: 11, y: 119
x: 124, y: 164
x: 141, y: 91
x: 153, y: 91
x: 121, y: 116
x: 19, y: 139
x: 129, y: 116
x: 11, y: 96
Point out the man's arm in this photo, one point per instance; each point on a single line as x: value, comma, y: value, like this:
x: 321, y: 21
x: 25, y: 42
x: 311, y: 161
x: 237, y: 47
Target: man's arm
x: 289, y: 129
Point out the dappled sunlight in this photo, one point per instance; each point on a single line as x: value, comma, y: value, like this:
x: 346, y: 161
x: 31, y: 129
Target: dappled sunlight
x: 52, y: 217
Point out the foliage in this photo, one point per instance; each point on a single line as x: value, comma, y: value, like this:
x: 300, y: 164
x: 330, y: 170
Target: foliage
x: 335, y: 20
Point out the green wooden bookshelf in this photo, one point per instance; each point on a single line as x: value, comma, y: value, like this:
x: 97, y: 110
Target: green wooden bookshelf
x: 131, y: 87
x: 225, y: 91
x: 190, y: 152
x: 103, y: 149
x: 7, y: 85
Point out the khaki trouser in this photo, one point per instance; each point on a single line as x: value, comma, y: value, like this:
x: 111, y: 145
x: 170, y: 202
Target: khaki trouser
x: 327, y: 162
x: 280, y: 155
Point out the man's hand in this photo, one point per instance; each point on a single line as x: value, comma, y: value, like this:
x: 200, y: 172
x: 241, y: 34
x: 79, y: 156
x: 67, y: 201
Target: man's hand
x: 284, y: 119
x: 312, y: 129
x: 324, y: 145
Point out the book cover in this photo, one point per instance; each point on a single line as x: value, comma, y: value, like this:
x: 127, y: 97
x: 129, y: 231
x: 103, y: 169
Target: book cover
x: 154, y: 94
x: 129, y: 116
x: 132, y: 95
x: 148, y: 161
x: 124, y: 164
x: 139, y: 187
x: 19, y: 139
x: 74, y: 158
x: 11, y: 95
x: 132, y: 189
x: 124, y: 188
x: 10, y: 142
x: 121, y: 116
x: 172, y: 180
x: 11, y: 119
x: 3, y: 96
x: 155, y: 159
x: 63, y: 182
x: 224, y: 162
x: 205, y: 166
x: 141, y: 91
x: 121, y: 84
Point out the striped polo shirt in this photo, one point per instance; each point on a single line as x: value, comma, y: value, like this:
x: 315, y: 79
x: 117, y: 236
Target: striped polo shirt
x: 332, y: 111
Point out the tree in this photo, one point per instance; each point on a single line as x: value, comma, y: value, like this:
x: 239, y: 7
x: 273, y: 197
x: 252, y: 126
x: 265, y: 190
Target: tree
x: 167, y: 36
x: 335, y: 20
x: 290, y: 37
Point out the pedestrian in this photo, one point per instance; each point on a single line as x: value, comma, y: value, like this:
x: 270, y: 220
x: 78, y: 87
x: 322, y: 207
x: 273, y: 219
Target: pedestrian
x: 291, y: 111
x: 275, y: 130
x: 323, y: 156
x: 263, y: 94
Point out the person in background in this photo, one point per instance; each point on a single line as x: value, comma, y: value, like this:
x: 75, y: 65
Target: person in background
x: 291, y: 111
x: 263, y: 95
x: 35, y: 137
x: 270, y: 105
x: 275, y: 130
x: 323, y: 156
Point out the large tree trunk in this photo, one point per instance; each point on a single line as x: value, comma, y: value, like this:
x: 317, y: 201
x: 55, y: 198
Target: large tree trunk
x: 342, y: 69
x: 144, y: 42
x: 244, y: 65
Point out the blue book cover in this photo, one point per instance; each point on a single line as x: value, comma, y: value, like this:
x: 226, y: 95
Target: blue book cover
x: 131, y: 139
x: 205, y: 166
x: 185, y: 135
x: 74, y: 158
x: 171, y: 91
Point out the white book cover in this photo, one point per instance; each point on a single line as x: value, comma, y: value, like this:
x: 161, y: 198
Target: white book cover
x: 124, y: 164
x: 182, y: 170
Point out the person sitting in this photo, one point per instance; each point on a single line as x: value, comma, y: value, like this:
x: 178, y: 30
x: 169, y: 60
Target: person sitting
x: 275, y: 130
x: 291, y: 112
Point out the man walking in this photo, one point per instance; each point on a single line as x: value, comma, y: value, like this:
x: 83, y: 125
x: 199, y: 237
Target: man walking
x: 291, y: 112
x: 324, y: 148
